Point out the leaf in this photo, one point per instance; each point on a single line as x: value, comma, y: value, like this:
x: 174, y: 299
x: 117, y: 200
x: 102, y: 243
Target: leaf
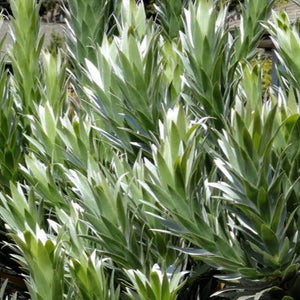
x: 165, y: 288
x: 250, y: 273
x: 226, y: 249
x: 263, y: 204
x: 270, y: 240
x: 193, y: 251
x: 155, y: 284
x: 248, y: 143
x: 267, y: 133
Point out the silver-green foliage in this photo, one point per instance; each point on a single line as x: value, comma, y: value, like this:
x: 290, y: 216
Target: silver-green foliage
x: 167, y: 164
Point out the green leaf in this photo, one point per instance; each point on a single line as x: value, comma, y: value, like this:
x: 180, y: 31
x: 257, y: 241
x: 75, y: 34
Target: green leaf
x: 155, y: 284
x: 263, y: 204
x: 270, y: 240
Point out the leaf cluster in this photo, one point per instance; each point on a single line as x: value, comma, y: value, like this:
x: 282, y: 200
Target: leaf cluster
x: 156, y: 167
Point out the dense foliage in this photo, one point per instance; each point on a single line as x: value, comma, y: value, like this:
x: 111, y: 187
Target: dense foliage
x: 145, y: 161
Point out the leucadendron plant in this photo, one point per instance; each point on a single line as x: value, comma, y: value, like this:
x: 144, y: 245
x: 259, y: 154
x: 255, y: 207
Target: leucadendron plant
x: 25, y: 53
x: 168, y: 173
x: 12, y: 142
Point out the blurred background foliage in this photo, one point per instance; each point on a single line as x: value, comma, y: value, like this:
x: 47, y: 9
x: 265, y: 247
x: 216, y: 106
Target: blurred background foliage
x: 263, y: 59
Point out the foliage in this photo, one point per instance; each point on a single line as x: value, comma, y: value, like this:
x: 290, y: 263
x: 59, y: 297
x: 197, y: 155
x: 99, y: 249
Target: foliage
x: 282, y: 2
x: 169, y: 172
x: 57, y: 42
x: 264, y: 61
x: 26, y: 52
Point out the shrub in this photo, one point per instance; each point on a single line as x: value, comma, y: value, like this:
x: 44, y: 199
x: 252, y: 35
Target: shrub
x: 168, y: 174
